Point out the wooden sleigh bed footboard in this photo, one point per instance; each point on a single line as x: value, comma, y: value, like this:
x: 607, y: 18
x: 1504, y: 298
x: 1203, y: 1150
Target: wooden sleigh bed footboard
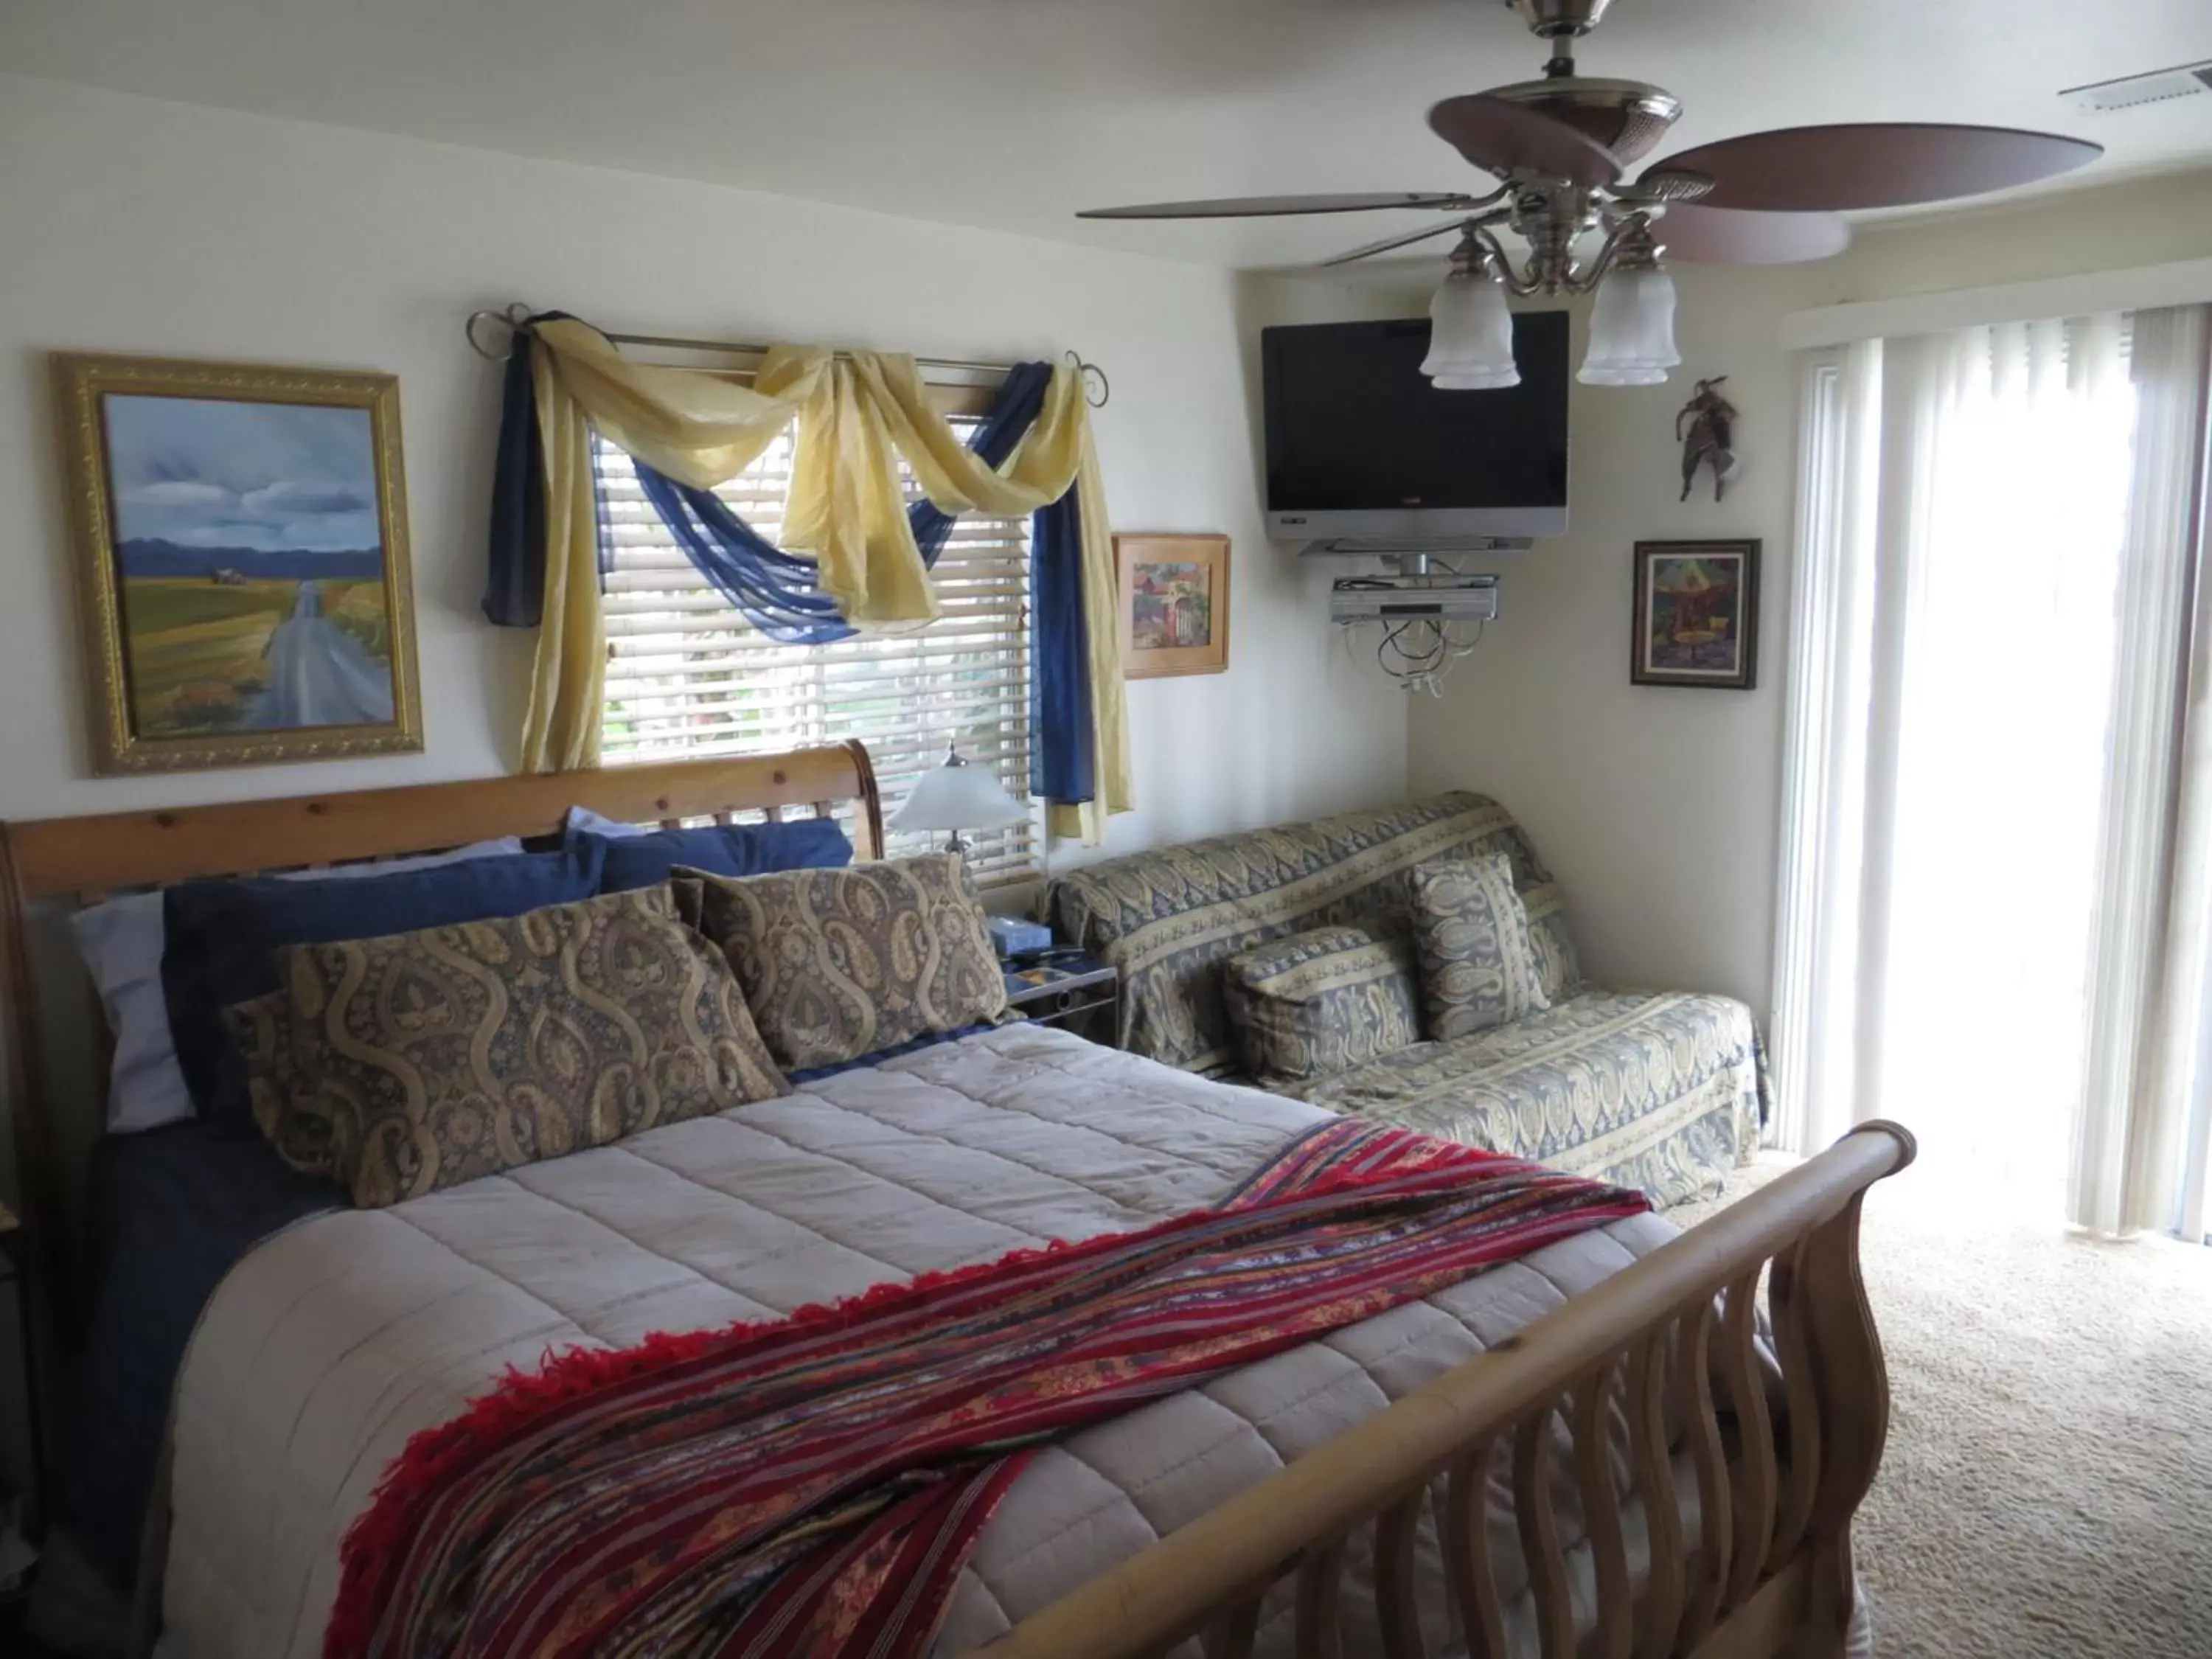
x: 1778, y: 1404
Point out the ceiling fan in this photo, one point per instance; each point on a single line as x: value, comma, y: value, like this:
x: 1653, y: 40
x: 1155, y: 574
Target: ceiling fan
x: 1561, y: 145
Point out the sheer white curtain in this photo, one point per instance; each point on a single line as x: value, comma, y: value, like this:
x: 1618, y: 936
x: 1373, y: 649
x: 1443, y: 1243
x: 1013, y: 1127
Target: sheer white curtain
x: 1814, y: 1027
x: 2183, y: 1052
x: 1972, y: 523
x: 2148, y: 1030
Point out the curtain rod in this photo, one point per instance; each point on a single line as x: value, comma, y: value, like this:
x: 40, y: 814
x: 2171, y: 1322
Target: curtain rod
x: 518, y: 314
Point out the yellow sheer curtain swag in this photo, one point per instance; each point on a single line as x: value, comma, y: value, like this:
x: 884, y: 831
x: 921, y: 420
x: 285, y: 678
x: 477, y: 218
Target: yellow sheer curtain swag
x: 701, y: 429
x: 856, y: 416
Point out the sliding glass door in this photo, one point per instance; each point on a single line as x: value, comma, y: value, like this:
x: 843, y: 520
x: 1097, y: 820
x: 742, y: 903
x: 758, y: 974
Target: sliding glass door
x: 2000, y: 742
x: 1978, y: 691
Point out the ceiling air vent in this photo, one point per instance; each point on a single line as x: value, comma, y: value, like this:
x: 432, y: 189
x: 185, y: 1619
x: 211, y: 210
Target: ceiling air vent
x: 2133, y: 91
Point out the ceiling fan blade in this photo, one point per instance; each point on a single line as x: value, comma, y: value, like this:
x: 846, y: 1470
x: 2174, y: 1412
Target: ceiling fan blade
x: 1836, y: 169
x: 1727, y: 236
x: 1258, y: 207
x: 1504, y: 138
x: 1389, y: 242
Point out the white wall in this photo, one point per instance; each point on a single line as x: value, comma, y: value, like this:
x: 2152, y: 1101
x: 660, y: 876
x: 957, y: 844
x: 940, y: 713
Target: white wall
x: 2145, y: 222
x: 136, y: 226
x: 1651, y: 804
x: 1659, y: 807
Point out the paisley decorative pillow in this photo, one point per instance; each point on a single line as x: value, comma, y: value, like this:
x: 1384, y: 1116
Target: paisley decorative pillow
x: 424, y: 1059
x: 1478, y: 966
x: 1321, y: 1002
x: 292, y: 1117
x: 839, y: 963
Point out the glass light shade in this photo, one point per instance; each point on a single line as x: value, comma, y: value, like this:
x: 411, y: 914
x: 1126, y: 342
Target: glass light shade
x: 958, y: 796
x: 1632, y: 330
x: 1470, y: 336
x: 1623, y: 377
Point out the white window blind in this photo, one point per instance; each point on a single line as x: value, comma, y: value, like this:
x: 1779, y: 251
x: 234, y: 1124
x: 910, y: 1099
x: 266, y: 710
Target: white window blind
x: 688, y: 676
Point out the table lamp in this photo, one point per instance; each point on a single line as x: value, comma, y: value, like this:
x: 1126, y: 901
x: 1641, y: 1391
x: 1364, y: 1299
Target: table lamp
x: 956, y: 796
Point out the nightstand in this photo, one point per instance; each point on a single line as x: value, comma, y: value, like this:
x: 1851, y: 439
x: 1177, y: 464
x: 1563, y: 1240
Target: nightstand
x: 1079, y: 992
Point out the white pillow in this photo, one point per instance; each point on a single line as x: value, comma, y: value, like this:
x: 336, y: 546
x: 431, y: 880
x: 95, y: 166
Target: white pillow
x: 582, y: 821
x: 122, y: 942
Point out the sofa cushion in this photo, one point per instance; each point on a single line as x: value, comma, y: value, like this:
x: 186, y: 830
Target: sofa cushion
x: 839, y: 963
x: 1169, y: 918
x: 1661, y: 1090
x: 1478, y: 963
x: 1321, y: 1001
x: 437, y: 1056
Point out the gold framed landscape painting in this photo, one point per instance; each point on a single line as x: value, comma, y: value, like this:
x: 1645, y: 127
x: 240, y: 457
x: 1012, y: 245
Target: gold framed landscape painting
x: 1175, y: 604
x: 240, y: 535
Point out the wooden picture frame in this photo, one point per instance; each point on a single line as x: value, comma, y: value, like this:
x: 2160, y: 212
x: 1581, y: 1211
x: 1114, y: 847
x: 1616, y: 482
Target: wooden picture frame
x: 1174, y: 606
x: 239, y: 539
x: 1695, y: 615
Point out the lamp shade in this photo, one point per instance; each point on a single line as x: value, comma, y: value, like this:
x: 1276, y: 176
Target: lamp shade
x: 1471, y: 335
x: 1632, y: 330
x: 957, y: 796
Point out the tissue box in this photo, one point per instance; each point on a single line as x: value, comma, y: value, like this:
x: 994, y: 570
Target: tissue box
x: 1012, y: 935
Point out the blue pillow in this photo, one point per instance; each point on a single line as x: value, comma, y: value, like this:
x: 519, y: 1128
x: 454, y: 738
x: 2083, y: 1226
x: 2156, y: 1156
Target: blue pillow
x: 122, y: 942
x: 223, y: 936
x: 734, y: 849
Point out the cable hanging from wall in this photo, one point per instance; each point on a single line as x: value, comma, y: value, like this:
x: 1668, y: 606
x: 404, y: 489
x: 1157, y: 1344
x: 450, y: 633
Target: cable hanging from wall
x: 1430, y: 615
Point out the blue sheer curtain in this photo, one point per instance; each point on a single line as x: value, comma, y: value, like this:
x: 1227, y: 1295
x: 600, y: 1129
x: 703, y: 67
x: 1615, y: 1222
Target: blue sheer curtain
x: 1063, y: 766
x: 515, y: 580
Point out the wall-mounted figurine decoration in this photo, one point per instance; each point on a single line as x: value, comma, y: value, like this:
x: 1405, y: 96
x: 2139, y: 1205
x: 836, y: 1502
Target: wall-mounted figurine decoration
x: 241, y: 561
x: 1705, y: 429
x: 1697, y: 614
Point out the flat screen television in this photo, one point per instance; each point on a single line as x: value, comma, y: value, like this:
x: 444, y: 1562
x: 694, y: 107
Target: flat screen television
x: 1360, y: 446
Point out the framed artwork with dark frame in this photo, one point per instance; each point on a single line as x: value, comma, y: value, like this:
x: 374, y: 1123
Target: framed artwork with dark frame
x: 1175, y: 604
x: 1696, y: 614
x: 241, y: 548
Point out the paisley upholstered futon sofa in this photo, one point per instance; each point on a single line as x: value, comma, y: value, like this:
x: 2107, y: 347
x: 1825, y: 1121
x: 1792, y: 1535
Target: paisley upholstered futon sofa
x: 1660, y: 1090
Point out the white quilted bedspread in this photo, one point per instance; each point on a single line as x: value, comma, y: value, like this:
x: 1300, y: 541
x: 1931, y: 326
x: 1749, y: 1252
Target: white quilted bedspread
x: 336, y: 1340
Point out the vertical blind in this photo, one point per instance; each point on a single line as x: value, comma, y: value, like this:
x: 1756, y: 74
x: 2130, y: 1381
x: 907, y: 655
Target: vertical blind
x: 1964, y: 505
x: 687, y: 676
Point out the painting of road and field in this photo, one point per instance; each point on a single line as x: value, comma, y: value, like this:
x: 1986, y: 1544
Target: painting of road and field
x: 249, y: 558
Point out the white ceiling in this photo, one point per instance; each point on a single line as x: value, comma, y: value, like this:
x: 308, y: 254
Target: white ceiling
x: 1013, y: 114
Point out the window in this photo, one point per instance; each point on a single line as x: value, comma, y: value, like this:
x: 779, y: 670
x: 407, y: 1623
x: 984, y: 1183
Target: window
x: 687, y: 676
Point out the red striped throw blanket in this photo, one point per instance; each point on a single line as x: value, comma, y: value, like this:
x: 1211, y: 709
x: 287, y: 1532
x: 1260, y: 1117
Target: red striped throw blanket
x: 812, y: 1486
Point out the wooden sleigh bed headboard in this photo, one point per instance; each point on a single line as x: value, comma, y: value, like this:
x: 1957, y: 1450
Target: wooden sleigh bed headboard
x: 57, y: 1035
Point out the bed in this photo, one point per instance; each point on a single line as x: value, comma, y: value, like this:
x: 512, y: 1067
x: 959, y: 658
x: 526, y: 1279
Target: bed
x: 1474, y: 1471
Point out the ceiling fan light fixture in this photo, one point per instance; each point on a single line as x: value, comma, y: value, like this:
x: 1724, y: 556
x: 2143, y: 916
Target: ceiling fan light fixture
x: 1490, y: 382
x: 1556, y: 149
x: 1471, y: 334
x: 1623, y: 377
x: 1631, y: 329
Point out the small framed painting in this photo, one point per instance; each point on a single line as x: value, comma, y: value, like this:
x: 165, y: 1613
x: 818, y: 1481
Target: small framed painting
x: 240, y: 544
x: 1697, y: 614
x: 1175, y: 604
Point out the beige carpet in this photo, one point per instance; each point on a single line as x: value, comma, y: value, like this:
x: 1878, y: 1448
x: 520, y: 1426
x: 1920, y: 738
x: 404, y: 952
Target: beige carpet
x: 2047, y: 1489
